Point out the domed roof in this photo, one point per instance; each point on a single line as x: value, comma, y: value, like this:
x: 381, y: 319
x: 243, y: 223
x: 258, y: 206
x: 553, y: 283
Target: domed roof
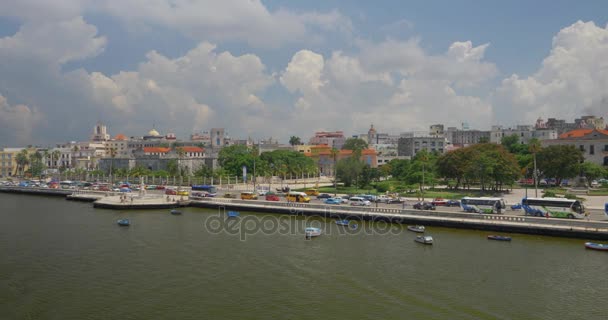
x: 153, y: 133
x: 120, y: 136
x: 372, y: 130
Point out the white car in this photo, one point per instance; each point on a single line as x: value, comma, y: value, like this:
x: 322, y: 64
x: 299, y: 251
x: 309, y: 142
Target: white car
x: 358, y: 201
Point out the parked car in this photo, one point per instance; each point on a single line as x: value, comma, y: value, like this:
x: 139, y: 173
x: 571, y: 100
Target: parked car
x: 171, y: 192
x: 424, y: 205
x: 382, y: 199
x: 160, y: 187
x: 395, y: 200
x: 272, y: 197
x: 359, y: 201
x: 183, y: 193
x: 439, y: 202
x: 516, y: 206
x: 333, y: 201
x: 453, y: 203
x: 324, y: 196
x: 229, y: 196
x: 249, y: 196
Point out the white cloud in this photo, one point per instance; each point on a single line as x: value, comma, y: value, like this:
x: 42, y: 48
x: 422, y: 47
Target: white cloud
x: 17, y: 122
x: 303, y: 73
x: 572, y: 81
x: 56, y: 42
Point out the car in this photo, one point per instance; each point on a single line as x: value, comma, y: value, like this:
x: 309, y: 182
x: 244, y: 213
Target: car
x: 229, y: 196
x: 171, y: 192
x: 272, y: 197
x: 183, y: 193
x: 324, y: 196
x: 262, y: 192
x: 359, y: 201
x: 382, y: 199
x: 246, y: 195
x: 424, y: 205
x: 452, y: 203
x: 160, y: 187
x: 333, y: 201
x: 516, y: 206
x: 439, y: 202
x: 395, y: 200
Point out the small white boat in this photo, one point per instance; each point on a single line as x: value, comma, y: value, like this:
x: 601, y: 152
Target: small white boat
x: 312, y: 232
x: 419, y: 229
x: 424, y: 239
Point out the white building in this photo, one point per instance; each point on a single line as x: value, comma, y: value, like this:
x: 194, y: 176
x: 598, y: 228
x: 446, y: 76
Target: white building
x: 524, y: 132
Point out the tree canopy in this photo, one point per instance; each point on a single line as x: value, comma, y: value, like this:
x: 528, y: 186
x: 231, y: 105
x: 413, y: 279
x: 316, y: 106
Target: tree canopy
x: 354, y: 144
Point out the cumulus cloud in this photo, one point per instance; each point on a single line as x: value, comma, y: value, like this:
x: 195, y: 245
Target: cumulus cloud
x: 394, y: 84
x: 17, y: 122
x: 572, y: 80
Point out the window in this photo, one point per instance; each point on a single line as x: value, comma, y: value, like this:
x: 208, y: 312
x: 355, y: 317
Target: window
x: 606, y: 161
x: 582, y: 148
x: 591, y: 149
x: 606, y: 148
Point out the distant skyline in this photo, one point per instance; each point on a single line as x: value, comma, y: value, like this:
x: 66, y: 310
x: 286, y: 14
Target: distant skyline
x: 279, y: 68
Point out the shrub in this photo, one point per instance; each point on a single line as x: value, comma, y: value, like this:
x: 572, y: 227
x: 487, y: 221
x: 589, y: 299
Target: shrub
x: 549, y: 194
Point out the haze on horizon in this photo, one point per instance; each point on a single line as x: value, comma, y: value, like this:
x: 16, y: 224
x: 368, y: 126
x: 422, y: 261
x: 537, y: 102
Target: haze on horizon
x: 278, y: 68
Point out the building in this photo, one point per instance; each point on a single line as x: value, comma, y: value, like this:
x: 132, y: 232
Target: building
x: 410, y: 146
x: 436, y: 130
x: 524, y: 132
x: 100, y: 133
x: 326, y: 158
x: 8, y: 162
x: 561, y: 126
x: 218, y: 137
x: 592, y: 142
x: 334, y: 139
x: 117, y: 147
x: 459, y: 137
x: 203, y: 138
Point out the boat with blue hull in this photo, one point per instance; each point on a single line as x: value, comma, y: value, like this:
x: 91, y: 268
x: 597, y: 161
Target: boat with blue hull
x: 596, y: 246
x: 346, y: 223
x: 499, y: 238
x: 233, y: 214
x: 124, y: 222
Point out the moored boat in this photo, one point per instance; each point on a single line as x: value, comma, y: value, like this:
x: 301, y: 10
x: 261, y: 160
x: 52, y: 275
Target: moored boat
x: 174, y: 211
x: 499, y: 238
x: 312, y: 232
x: 418, y: 229
x: 424, y: 239
x: 123, y: 222
x: 233, y: 214
x: 342, y: 222
x: 596, y: 246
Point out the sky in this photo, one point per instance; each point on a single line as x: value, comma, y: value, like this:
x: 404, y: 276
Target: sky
x: 278, y: 68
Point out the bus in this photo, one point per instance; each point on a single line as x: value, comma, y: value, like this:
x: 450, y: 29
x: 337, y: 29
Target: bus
x: 206, y: 188
x: 483, y: 205
x: 554, y: 207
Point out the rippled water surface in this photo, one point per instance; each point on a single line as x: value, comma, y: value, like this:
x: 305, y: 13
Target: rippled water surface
x: 66, y: 260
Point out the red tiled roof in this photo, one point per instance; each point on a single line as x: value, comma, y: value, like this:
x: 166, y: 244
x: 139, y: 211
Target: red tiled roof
x: 156, y: 150
x: 120, y: 136
x: 579, y: 133
x: 191, y: 149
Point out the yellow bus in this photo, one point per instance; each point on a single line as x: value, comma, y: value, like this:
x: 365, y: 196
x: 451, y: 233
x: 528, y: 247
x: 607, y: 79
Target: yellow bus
x: 297, y: 197
x: 312, y: 192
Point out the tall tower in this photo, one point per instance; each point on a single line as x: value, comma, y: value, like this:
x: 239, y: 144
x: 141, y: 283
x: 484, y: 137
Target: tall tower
x: 100, y: 133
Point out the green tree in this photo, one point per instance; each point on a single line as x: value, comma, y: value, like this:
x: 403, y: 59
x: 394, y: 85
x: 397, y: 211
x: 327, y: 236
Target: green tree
x: 592, y: 171
x: 294, y: 141
x: 354, y: 144
x: 348, y: 171
x: 22, y: 160
x: 233, y: 158
x: 559, y: 162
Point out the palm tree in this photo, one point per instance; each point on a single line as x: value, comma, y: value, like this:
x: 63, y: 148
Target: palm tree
x: 22, y: 161
x: 534, y: 148
x: 55, y: 155
x: 112, y: 156
x: 334, y: 153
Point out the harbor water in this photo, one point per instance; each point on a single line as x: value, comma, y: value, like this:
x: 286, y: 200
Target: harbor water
x: 66, y: 260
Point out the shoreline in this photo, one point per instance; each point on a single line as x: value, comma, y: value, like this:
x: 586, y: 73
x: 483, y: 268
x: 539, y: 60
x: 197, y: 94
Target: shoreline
x: 583, y: 229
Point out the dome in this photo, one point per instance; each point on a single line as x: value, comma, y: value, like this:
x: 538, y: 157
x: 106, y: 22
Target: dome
x: 120, y: 136
x: 153, y: 133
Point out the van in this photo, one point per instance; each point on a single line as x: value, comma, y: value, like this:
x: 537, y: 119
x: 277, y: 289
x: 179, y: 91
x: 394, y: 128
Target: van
x: 312, y: 192
x: 359, y: 201
x: 297, y: 197
x: 249, y: 196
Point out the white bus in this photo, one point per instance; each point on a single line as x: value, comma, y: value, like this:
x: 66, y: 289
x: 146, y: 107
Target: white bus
x: 483, y: 205
x: 554, y: 207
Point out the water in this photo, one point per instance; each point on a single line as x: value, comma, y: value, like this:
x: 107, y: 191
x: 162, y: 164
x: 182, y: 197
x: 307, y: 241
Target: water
x: 66, y: 260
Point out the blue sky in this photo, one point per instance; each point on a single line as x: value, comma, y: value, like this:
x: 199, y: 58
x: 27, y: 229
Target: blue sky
x: 277, y: 68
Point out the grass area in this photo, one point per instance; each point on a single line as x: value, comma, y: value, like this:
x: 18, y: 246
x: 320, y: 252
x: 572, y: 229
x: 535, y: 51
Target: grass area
x: 598, y: 192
